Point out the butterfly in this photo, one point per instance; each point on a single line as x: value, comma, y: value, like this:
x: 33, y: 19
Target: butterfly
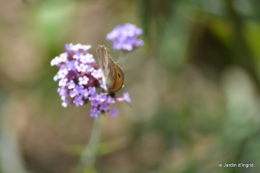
x: 113, y: 75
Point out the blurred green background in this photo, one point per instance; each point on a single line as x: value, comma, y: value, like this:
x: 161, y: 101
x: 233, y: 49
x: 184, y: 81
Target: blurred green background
x: 194, y: 85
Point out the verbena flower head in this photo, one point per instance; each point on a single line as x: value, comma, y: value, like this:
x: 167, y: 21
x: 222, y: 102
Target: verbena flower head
x: 126, y: 37
x: 80, y: 79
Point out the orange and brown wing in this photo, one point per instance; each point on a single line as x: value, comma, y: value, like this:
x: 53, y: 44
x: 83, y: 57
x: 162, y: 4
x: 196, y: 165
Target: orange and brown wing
x: 119, y: 79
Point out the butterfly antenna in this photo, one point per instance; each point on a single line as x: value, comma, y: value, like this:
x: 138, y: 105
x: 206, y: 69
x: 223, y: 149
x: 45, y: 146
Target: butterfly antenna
x: 129, y: 104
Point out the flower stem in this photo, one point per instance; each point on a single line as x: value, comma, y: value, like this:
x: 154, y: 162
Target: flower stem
x: 89, y: 154
x: 122, y: 58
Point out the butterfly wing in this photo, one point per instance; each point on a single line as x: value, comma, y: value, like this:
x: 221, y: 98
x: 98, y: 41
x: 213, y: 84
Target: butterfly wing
x: 119, y: 82
x: 107, y: 65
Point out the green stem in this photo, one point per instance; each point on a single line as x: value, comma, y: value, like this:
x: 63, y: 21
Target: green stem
x: 122, y: 58
x: 89, y: 154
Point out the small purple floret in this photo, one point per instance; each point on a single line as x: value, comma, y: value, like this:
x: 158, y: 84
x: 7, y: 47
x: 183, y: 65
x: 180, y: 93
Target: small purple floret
x: 114, y: 112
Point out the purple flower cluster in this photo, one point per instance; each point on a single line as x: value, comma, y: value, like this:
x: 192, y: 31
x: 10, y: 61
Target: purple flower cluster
x: 126, y: 37
x: 79, y: 79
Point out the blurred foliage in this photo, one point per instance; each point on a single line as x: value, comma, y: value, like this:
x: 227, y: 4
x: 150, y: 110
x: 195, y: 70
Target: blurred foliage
x: 194, y: 87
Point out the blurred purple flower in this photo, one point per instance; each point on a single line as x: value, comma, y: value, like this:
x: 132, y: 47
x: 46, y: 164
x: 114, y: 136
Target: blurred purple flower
x: 79, y: 78
x: 126, y: 37
x: 114, y: 112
